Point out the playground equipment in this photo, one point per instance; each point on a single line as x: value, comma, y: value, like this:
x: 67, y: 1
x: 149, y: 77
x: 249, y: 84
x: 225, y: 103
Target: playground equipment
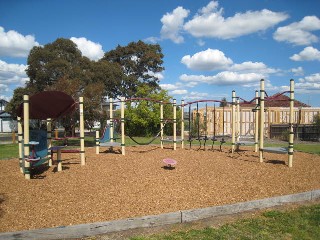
x: 45, y: 105
x: 108, y: 137
x: 105, y: 140
x: 39, y: 149
x: 237, y: 139
x: 260, y: 125
x: 170, y: 163
x: 163, y: 122
x: 277, y: 150
x: 66, y: 142
x: 194, y: 126
x: 153, y: 138
x: 202, y: 137
x: 110, y: 141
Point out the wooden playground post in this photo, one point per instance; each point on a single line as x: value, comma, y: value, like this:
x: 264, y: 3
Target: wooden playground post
x: 49, y: 142
x: 111, y: 118
x: 261, y: 119
x: 268, y: 121
x: 182, y: 124
x: 161, y: 124
x: 13, y: 137
x: 291, y: 116
x: 256, y: 126
x: 238, y: 132
x: 122, y: 127
x: 174, y: 124
x: 97, y: 142
x: 20, y: 138
x: 233, y: 121
x: 82, y: 152
x: 26, y: 136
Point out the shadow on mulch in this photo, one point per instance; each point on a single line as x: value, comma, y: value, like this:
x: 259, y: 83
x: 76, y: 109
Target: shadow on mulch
x: 146, y: 150
x: 70, y: 163
x: 276, y: 162
x: 168, y: 168
x: 38, y: 172
x: 254, y: 160
x: 2, y: 199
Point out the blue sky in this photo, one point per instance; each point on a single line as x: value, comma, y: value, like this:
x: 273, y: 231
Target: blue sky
x: 210, y: 47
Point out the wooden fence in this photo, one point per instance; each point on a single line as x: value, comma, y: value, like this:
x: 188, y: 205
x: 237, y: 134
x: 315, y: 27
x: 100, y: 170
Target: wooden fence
x: 219, y: 119
x: 304, y: 132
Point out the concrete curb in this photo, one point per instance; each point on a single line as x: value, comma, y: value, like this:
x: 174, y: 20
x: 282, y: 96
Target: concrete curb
x: 86, y: 230
x: 197, y: 214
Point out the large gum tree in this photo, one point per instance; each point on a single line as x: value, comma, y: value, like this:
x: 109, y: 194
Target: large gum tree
x: 61, y: 66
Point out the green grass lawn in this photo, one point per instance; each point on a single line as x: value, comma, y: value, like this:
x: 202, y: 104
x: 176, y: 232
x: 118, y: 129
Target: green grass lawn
x: 301, y: 223
x: 8, y: 151
x: 309, y: 148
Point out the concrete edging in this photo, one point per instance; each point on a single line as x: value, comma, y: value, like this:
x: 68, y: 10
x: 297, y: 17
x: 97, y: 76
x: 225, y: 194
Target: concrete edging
x: 86, y: 230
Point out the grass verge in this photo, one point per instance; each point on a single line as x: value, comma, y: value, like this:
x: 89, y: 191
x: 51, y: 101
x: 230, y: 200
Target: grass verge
x: 8, y: 151
x: 301, y: 223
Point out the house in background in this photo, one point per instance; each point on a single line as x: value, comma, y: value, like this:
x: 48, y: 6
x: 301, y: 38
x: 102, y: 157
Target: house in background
x: 6, y: 122
x: 277, y: 111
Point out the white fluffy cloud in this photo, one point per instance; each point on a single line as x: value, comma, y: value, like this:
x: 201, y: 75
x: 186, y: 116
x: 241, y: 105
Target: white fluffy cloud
x: 314, y: 78
x: 4, y: 88
x: 210, y: 22
x: 12, y: 75
x: 152, y: 40
x: 88, y: 48
x: 309, y: 84
x: 214, y: 59
x: 178, y: 88
x: 14, y: 44
x: 257, y: 67
x: 224, y: 78
x: 169, y: 86
x: 172, y: 24
x: 196, y: 95
x: 246, y: 74
x: 299, y: 33
x: 179, y: 92
x: 201, y: 43
x: 210, y: 59
x: 297, y: 71
x: 158, y: 75
x: 307, y: 54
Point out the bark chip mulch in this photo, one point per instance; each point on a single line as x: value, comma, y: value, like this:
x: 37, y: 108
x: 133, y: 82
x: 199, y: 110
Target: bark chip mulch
x: 111, y: 186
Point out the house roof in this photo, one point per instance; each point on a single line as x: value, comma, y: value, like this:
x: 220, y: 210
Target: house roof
x: 2, y: 101
x: 4, y: 114
x: 276, y: 100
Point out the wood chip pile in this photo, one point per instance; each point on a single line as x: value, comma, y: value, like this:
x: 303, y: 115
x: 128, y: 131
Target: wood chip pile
x: 111, y: 186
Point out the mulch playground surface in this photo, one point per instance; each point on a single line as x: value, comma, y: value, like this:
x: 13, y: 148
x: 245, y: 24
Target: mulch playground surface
x: 111, y: 186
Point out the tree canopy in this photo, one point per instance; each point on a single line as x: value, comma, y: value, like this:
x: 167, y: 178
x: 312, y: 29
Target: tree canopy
x: 16, y: 100
x: 139, y: 62
x: 61, y: 66
x: 51, y: 62
x: 223, y: 102
x: 143, y: 116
